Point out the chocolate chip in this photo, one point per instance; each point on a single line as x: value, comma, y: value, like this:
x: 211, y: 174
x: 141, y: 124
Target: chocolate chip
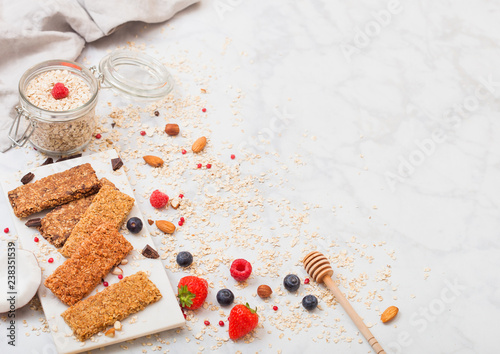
x: 34, y: 222
x: 150, y: 222
x: 27, y: 178
x: 157, y: 113
x: 69, y: 157
x: 150, y: 252
x: 116, y: 163
x: 48, y: 161
x: 113, y: 125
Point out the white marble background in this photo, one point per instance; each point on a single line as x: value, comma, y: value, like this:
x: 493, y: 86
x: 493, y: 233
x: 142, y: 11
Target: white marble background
x: 388, y: 104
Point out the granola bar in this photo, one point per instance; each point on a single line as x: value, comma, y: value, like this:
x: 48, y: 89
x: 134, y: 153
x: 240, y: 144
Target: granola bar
x: 115, y: 303
x: 54, y: 190
x: 57, y: 225
x: 109, y: 206
x: 79, y: 275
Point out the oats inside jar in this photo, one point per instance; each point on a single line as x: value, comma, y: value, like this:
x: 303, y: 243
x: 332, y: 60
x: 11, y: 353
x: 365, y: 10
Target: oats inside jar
x: 68, y: 123
x: 39, y: 91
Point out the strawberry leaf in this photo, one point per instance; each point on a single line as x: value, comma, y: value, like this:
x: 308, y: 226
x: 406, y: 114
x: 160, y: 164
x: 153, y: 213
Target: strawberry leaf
x: 185, y: 296
x: 251, y: 309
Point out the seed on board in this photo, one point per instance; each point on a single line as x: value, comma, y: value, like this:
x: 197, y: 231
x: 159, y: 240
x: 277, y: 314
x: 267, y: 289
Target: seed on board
x: 110, y: 333
x: 117, y: 271
x: 118, y: 325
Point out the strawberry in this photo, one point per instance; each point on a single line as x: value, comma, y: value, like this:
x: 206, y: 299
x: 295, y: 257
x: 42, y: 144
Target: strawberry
x: 242, y: 320
x: 192, y: 292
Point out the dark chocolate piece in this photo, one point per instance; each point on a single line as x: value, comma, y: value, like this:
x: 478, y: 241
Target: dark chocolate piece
x: 48, y: 161
x: 27, y: 178
x: 68, y: 157
x: 150, y: 252
x: 36, y: 222
x: 116, y: 163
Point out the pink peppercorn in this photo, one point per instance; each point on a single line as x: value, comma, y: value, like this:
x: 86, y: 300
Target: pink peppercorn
x: 51, y: 260
x: 35, y: 239
x: 105, y: 283
x: 143, y: 132
x: 120, y: 276
x: 98, y: 136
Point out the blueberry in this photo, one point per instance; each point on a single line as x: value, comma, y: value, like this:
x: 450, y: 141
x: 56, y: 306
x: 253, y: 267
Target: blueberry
x: 134, y: 225
x: 225, y: 297
x: 310, y: 302
x: 291, y: 282
x: 184, y: 259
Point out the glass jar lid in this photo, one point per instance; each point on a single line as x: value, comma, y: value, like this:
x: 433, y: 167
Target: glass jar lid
x: 136, y: 74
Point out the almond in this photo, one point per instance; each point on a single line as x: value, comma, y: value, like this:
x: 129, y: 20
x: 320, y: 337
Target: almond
x: 175, y: 202
x: 165, y: 226
x: 172, y: 129
x: 110, y: 333
x: 117, y: 271
x: 199, y: 144
x: 264, y: 291
x: 389, y: 314
x: 154, y: 161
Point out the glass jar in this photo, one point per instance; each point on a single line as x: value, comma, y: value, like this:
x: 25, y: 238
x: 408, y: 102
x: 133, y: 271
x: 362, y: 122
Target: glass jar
x: 66, y: 132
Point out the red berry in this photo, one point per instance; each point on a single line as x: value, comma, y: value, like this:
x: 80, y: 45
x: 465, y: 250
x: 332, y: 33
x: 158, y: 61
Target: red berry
x: 35, y: 239
x: 221, y: 323
x: 120, y: 276
x: 184, y: 151
x: 143, y: 132
x: 182, y: 219
x: 209, y: 165
x: 51, y: 260
x: 233, y: 157
x: 241, y: 269
x: 192, y: 292
x: 306, y: 281
x: 6, y: 230
x: 158, y: 199
x: 181, y: 223
x: 181, y: 196
x: 199, y: 165
x: 203, y: 110
x: 105, y: 283
x: 242, y: 320
x: 207, y: 323
x: 59, y: 91
x: 98, y: 136
x: 275, y: 308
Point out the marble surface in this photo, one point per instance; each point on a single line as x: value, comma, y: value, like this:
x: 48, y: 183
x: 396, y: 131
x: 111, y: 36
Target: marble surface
x: 383, y: 116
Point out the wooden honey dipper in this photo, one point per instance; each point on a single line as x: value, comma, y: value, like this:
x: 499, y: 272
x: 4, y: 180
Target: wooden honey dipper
x: 318, y: 267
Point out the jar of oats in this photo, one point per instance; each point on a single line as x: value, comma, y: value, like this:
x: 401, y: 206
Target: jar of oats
x: 64, y: 125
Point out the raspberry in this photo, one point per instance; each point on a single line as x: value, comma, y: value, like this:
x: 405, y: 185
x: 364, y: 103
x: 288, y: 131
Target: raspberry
x: 241, y: 269
x: 59, y: 91
x: 158, y: 199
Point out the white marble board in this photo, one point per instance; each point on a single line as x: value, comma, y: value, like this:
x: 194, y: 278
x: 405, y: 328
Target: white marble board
x: 160, y: 316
